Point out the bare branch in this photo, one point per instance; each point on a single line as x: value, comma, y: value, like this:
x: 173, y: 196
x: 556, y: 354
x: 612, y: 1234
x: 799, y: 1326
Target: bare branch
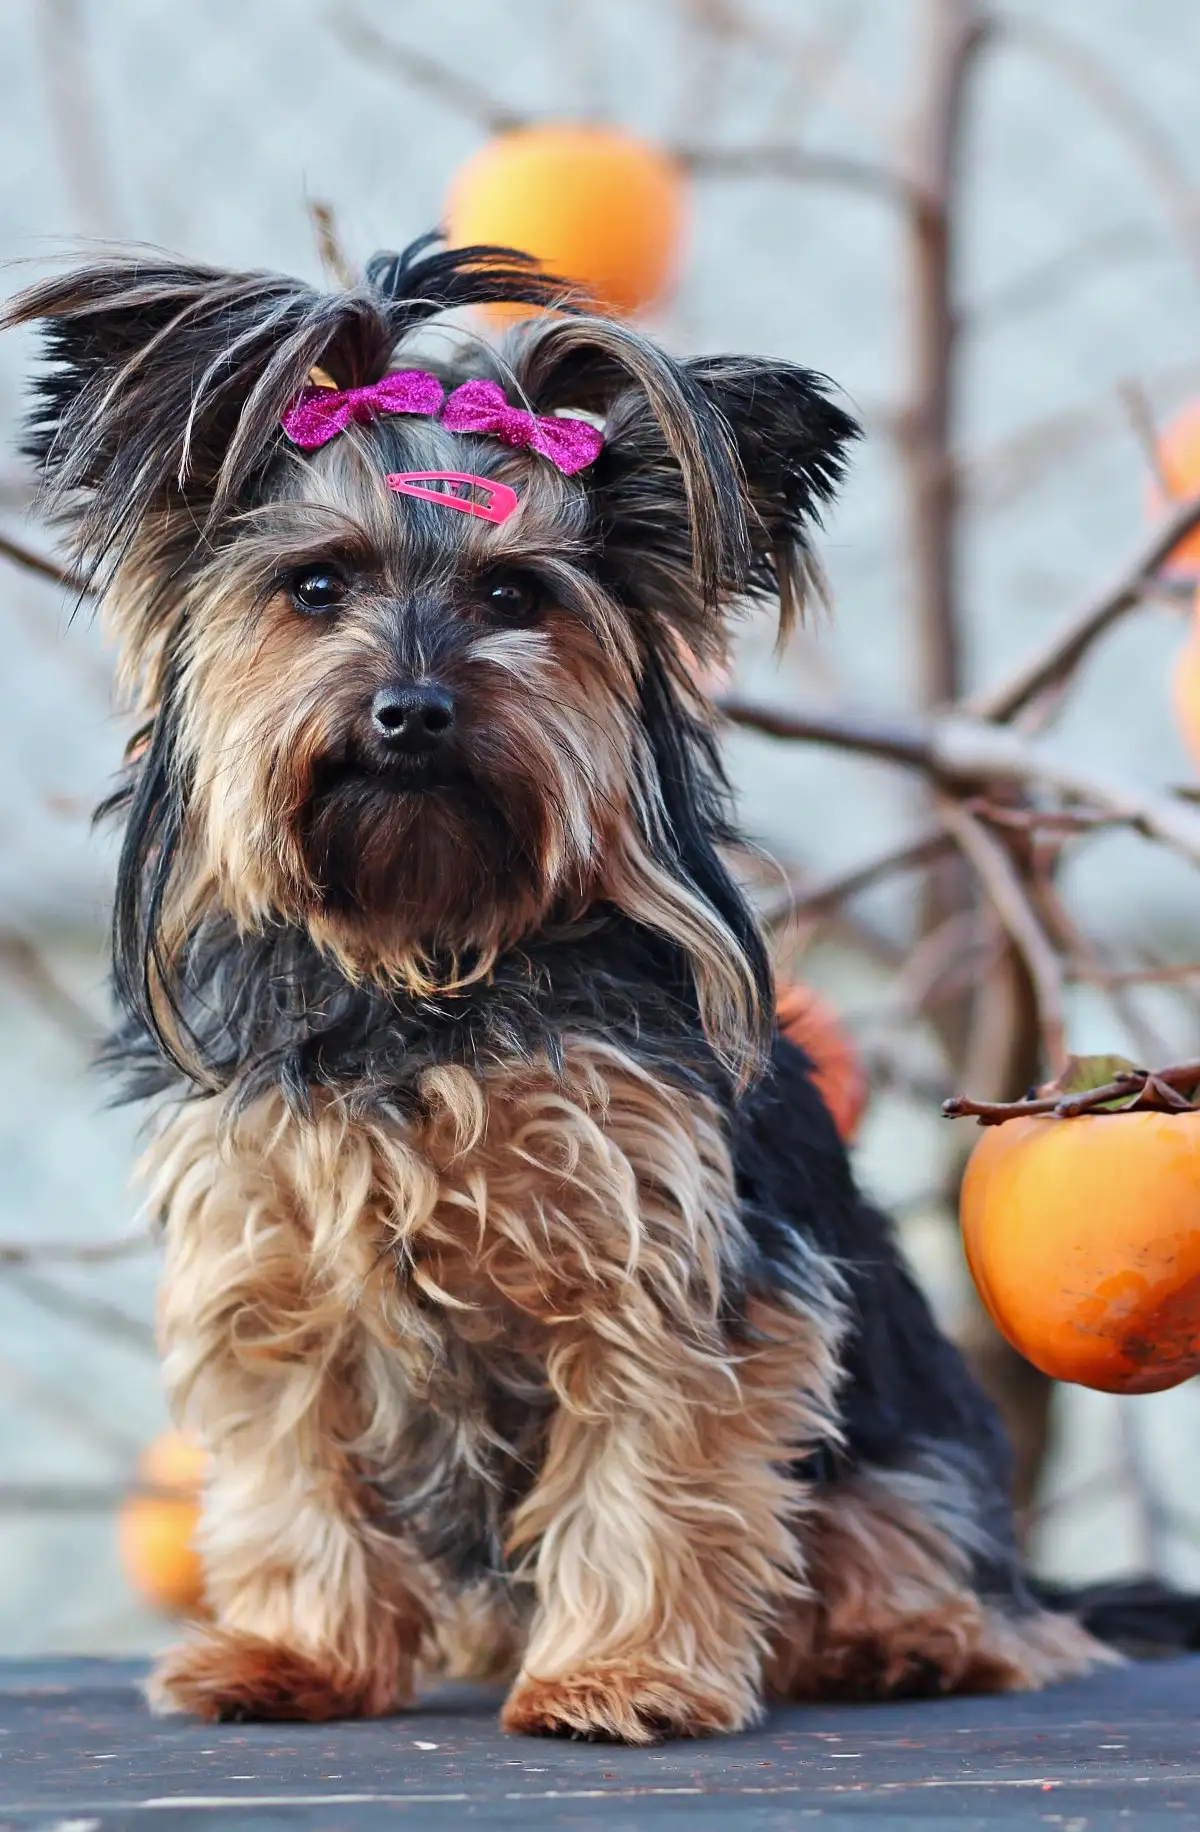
x: 957, y: 753
x: 27, y: 965
x: 74, y: 1252
x: 430, y: 75
x: 71, y: 101
x: 94, y: 1313
x: 329, y: 244
x: 796, y: 165
x: 795, y: 904
x: 23, y: 556
x: 1066, y: 649
x: 1008, y: 897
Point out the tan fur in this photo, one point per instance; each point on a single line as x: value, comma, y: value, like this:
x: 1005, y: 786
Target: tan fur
x: 319, y: 1274
x: 893, y: 1609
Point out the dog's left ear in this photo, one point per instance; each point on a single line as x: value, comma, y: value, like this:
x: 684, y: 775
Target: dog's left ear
x: 792, y: 441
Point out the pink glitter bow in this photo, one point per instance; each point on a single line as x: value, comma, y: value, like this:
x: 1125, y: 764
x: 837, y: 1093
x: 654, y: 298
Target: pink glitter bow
x: 318, y: 415
x: 480, y: 407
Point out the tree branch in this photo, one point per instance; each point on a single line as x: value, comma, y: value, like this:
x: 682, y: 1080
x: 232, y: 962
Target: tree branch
x: 797, y: 165
x: 74, y: 1252
x: 958, y: 752
x: 1006, y: 893
x: 827, y: 892
x: 23, y: 556
x: 1066, y: 649
x: 430, y: 75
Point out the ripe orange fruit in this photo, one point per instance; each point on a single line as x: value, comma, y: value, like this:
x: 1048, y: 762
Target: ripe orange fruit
x: 600, y: 207
x: 809, y: 1022
x: 1185, y: 689
x: 1178, y: 451
x: 156, y: 1530
x: 1083, y: 1236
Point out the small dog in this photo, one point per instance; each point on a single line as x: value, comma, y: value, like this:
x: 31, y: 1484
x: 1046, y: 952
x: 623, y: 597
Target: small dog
x: 516, y: 1279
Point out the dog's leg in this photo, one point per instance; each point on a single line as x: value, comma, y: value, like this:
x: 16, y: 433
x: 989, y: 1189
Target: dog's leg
x: 665, y: 1525
x: 318, y: 1612
x: 911, y: 1597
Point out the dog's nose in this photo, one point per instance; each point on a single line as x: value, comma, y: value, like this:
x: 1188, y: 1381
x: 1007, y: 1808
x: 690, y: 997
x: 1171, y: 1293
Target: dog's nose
x: 417, y: 716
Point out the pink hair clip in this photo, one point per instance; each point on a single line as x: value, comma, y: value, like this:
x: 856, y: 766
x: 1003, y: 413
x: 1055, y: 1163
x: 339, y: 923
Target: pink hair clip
x: 462, y: 492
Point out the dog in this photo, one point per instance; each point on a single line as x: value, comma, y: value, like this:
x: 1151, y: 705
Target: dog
x: 516, y: 1281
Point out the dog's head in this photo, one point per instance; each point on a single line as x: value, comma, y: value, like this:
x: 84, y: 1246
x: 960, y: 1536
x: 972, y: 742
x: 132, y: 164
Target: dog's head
x: 419, y: 731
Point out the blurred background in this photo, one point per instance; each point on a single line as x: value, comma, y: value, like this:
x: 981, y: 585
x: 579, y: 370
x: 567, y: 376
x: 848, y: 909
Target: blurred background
x: 1014, y: 351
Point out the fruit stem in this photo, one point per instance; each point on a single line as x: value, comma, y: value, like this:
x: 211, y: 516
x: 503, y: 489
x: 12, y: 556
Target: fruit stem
x: 1175, y: 1089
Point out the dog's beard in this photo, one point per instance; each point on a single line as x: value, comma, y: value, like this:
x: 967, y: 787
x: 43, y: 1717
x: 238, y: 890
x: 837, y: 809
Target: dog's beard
x: 426, y: 856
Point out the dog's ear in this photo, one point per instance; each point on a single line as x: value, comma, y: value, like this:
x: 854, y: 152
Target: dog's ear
x: 712, y: 473
x: 665, y: 490
x: 164, y: 382
x: 792, y: 441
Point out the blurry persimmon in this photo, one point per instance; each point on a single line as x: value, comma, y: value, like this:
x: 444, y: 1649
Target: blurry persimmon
x: 1185, y: 689
x: 157, y: 1525
x: 1178, y: 455
x: 810, y: 1023
x: 595, y: 205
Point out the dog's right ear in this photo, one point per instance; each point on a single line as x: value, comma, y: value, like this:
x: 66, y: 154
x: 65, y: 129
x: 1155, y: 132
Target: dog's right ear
x: 165, y: 382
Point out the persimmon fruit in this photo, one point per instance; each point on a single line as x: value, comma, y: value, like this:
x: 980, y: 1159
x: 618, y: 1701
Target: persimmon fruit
x: 1083, y: 1237
x: 1185, y: 689
x: 595, y: 205
x: 1178, y: 456
x: 808, y: 1021
x: 157, y: 1525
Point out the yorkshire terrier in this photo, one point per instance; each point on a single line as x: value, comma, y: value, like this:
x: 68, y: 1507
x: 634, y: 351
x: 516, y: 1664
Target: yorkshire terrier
x: 516, y: 1279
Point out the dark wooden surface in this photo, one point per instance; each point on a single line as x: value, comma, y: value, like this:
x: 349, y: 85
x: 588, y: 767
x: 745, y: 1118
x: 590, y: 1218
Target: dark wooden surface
x: 80, y: 1753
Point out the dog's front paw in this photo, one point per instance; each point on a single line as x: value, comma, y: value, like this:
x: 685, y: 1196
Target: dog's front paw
x: 626, y: 1702
x: 227, y: 1677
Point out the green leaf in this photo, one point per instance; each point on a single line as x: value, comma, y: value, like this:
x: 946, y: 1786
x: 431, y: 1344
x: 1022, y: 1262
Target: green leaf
x: 1083, y: 1073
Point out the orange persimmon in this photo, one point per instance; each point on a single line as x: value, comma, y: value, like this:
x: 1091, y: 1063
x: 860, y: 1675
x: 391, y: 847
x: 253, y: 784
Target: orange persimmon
x: 1178, y: 456
x: 157, y: 1525
x: 595, y: 205
x: 1185, y: 688
x: 1083, y: 1237
x: 809, y: 1022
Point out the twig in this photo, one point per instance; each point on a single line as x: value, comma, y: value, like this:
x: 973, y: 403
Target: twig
x: 74, y: 1252
x: 829, y: 891
x: 958, y: 752
x: 329, y: 244
x: 70, y: 94
x: 954, y: 33
x: 77, y: 1497
x: 420, y: 71
x: 1009, y: 899
x: 23, y: 556
x: 796, y: 165
x: 27, y: 966
x: 95, y: 1313
x: 1141, y: 421
x: 1067, y: 648
x: 1163, y: 1090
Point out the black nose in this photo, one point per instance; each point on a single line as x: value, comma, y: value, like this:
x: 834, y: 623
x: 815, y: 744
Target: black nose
x: 415, y: 717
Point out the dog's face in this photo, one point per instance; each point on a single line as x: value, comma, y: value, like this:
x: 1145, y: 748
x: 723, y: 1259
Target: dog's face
x: 412, y: 729
x: 419, y: 734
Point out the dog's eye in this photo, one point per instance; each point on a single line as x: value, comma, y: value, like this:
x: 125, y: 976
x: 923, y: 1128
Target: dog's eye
x: 320, y: 588
x: 513, y: 597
